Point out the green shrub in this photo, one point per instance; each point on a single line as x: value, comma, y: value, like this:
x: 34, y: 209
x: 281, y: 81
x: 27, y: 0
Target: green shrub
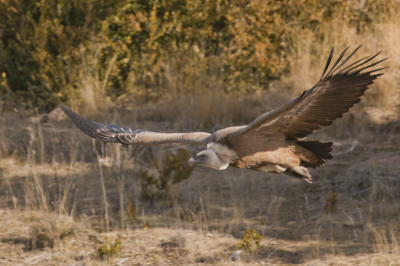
x: 107, y: 249
x: 160, y: 46
x: 251, y: 241
x: 173, y: 170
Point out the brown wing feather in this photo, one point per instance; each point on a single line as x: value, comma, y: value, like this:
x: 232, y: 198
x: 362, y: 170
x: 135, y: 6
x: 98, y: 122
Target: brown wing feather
x: 321, y: 105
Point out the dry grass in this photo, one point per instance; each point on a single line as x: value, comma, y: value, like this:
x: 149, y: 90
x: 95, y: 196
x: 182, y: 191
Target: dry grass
x: 381, y: 103
x: 161, y: 246
x: 64, y: 193
x: 54, y: 208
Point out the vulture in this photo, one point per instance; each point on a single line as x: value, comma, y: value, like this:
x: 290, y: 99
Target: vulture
x: 274, y: 142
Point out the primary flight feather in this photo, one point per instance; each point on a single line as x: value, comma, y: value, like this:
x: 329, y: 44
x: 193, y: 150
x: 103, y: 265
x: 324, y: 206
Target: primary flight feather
x: 272, y: 142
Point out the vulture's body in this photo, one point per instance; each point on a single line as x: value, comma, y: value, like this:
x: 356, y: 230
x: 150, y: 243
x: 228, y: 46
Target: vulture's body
x: 273, y: 142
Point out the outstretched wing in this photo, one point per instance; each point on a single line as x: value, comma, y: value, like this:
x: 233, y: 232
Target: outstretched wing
x: 335, y: 93
x: 124, y: 135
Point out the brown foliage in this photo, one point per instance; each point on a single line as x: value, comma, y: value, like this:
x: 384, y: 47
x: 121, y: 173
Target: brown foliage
x: 332, y: 201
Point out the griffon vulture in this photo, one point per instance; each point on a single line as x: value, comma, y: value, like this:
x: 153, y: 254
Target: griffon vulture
x: 272, y: 142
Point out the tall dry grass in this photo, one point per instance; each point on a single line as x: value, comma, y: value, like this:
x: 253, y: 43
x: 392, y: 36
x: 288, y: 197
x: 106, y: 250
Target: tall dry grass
x: 308, y: 59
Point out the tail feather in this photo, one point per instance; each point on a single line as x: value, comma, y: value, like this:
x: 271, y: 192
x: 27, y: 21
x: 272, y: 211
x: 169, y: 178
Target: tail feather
x: 321, y: 150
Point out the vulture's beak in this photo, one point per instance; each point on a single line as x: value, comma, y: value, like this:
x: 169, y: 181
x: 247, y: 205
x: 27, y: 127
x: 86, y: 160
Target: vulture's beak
x: 192, y: 161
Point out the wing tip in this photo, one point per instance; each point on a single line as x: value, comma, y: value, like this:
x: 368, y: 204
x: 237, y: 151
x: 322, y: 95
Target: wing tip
x: 63, y: 107
x: 327, y: 63
x: 68, y: 111
x: 100, y: 131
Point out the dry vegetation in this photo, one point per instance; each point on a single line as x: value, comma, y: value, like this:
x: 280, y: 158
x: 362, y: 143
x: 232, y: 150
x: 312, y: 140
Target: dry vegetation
x: 68, y: 200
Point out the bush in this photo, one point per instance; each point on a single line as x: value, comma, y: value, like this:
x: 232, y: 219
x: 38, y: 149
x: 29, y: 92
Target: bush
x: 251, y: 241
x: 107, y: 249
x: 151, y: 47
x: 173, y: 170
x: 331, y: 202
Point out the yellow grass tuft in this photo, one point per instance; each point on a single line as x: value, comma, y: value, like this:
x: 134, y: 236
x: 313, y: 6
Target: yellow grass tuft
x: 107, y: 249
x: 251, y: 241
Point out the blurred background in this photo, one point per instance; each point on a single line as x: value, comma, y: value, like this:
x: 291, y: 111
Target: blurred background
x: 181, y: 66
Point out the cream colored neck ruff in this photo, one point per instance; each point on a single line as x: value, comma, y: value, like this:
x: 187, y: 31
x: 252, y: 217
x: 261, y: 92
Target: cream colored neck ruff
x: 223, y: 152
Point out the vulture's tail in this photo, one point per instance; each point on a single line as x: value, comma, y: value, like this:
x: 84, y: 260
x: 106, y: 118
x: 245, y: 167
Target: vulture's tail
x: 321, y: 150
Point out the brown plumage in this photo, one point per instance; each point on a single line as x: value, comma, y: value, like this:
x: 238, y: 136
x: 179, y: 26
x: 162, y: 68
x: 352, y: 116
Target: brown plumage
x: 272, y: 142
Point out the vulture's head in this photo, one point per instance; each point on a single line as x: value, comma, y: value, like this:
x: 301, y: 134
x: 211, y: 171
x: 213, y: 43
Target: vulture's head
x: 208, y: 158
